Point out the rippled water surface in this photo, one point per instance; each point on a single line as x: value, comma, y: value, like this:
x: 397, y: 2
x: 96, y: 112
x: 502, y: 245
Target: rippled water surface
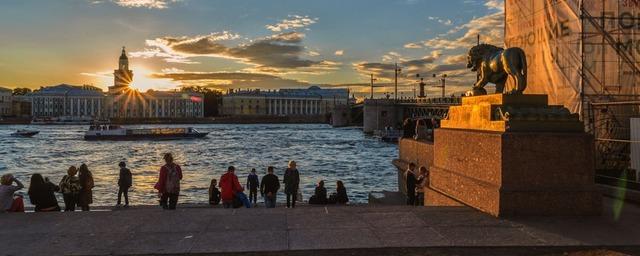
x: 322, y: 152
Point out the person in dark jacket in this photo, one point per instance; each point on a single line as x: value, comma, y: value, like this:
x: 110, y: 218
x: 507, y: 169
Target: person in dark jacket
x: 253, y: 184
x: 291, y: 184
x: 214, y: 193
x: 410, y: 181
x: 269, y: 188
x: 85, y: 198
x: 408, y: 128
x: 340, y: 197
x: 41, y: 194
x: 320, y: 195
x: 125, y: 181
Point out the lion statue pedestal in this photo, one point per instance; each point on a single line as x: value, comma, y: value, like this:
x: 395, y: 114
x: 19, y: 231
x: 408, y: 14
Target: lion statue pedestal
x: 514, y: 155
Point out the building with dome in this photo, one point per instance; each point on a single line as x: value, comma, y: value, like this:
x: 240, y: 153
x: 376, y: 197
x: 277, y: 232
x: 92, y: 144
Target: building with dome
x: 123, y: 76
x: 124, y: 102
x: 119, y: 102
x: 312, y: 101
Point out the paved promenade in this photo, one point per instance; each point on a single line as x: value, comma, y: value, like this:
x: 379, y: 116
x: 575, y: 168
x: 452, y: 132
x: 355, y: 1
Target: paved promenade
x: 348, y: 230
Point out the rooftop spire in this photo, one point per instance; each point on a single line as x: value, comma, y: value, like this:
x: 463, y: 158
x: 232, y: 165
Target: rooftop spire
x: 124, y: 54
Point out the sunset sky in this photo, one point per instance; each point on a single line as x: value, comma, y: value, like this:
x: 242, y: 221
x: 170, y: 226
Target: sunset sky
x: 243, y: 43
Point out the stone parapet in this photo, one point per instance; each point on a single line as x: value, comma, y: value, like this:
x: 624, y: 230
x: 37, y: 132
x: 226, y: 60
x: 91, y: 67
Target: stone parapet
x: 516, y: 173
x: 501, y: 113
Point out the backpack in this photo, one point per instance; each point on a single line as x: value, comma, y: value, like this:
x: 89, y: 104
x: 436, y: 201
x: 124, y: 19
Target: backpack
x: 172, y: 184
x: 67, y: 187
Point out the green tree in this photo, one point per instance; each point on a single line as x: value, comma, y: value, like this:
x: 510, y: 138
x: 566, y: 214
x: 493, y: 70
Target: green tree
x: 212, y: 99
x: 21, y: 91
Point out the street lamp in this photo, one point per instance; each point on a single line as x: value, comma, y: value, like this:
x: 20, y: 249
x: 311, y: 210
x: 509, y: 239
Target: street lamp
x: 422, y: 84
x: 372, y: 86
x: 443, y: 80
x: 396, y: 71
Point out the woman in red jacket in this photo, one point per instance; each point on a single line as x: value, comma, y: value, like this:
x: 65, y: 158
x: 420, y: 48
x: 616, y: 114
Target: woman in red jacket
x: 229, y: 185
x: 168, y: 184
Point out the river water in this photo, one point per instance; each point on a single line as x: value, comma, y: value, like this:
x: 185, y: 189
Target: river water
x: 322, y: 152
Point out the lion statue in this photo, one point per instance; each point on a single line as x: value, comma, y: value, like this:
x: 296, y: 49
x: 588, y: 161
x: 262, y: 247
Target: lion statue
x: 494, y: 64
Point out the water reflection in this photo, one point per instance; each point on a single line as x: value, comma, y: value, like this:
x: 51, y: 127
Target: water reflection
x: 321, y: 152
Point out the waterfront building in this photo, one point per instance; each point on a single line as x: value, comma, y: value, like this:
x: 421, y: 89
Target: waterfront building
x: 312, y: 101
x: 6, y: 98
x: 65, y: 100
x: 123, y: 76
x: 155, y: 104
x: 122, y: 101
x: 21, y: 106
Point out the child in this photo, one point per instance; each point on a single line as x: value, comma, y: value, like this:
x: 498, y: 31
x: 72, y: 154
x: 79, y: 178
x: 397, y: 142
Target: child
x: 253, y: 184
x: 124, y: 182
x: 214, y: 193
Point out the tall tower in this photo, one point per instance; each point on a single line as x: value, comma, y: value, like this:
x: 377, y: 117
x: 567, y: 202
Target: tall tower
x: 122, y: 77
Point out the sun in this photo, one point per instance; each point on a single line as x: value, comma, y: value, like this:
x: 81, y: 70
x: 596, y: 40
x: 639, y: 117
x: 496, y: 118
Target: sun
x: 143, y: 80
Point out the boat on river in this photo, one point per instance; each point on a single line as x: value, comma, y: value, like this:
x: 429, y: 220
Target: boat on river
x: 115, y: 132
x: 25, y: 133
x: 388, y: 135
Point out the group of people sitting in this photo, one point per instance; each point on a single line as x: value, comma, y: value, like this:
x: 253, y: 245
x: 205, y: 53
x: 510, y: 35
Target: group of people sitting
x: 230, y: 193
x: 77, y: 185
x: 320, y: 194
x: 76, y: 190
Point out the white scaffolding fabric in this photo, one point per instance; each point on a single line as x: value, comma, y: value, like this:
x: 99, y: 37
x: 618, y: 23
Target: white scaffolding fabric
x: 577, y: 49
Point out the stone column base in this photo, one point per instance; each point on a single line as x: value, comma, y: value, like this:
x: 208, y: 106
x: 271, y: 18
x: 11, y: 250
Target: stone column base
x: 515, y: 173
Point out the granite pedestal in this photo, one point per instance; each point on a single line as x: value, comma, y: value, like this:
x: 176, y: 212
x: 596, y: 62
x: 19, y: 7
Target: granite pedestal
x: 533, y: 160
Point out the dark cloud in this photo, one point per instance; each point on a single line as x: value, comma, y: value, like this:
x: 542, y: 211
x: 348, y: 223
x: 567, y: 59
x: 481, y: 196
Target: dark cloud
x: 418, y: 63
x: 278, y: 53
x: 386, y: 70
x: 180, y: 76
x: 224, y: 80
x: 448, y: 67
x: 201, y: 46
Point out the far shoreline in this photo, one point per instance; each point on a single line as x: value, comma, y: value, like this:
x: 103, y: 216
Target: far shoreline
x: 209, y: 120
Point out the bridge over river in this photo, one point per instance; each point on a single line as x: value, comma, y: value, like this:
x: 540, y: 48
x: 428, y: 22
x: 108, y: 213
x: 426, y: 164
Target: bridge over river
x: 381, y: 113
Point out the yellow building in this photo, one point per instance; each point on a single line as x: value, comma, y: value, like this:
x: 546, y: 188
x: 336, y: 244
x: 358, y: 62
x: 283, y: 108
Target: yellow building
x: 312, y: 101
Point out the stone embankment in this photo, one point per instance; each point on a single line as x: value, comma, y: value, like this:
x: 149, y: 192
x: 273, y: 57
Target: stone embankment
x: 347, y: 230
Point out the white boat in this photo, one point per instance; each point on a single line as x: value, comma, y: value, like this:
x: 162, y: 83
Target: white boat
x: 388, y: 135
x: 115, y: 132
x: 24, y: 133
